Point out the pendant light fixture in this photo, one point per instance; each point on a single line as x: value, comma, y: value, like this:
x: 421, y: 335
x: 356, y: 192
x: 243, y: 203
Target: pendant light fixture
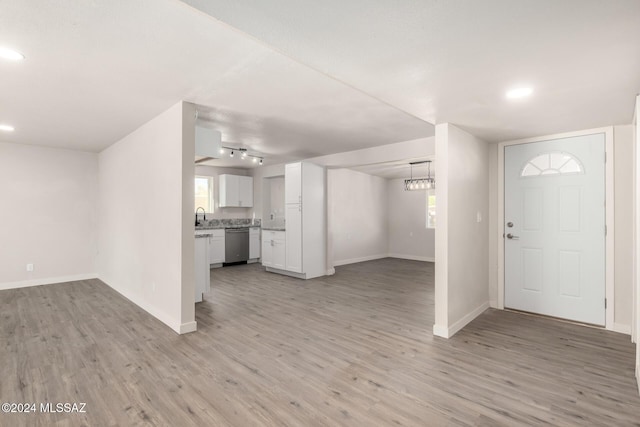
x: 413, y: 184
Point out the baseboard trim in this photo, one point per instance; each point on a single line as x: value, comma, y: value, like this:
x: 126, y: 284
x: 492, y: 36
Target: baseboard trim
x: 47, y: 281
x: 493, y: 304
x: 440, y: 331
x: 360, y: 259
x: 621, y: 329
x: 413, y: 257
x: 444, y: 332
x: 638, y: 377
x: 185, y: 328
x: 331, y: 272
x: 161, y: 316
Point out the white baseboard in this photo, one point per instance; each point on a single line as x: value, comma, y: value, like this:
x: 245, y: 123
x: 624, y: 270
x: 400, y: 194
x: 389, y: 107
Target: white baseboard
x: 493, y: 304
x: 158, y: 314
x: 361, y: 259
x: 638, y: 377
x: 440, y: 331
x: 413, y: 257
x: 444, y: 332
x: 622, y: 329
x: 185, y: 328
x: 331, y: 272
x: 47, y: 281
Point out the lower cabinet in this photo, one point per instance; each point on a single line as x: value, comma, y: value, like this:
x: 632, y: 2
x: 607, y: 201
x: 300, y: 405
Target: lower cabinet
x: 254, y: 243
x: 216, y: 247
x: 201, y: 268
x: 273, y: 249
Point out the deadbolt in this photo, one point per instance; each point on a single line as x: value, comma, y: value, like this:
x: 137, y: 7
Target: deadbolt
x: 509, y: 224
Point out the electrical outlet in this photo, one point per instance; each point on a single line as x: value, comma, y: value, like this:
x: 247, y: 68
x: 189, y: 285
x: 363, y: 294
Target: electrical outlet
x: 29, y: 267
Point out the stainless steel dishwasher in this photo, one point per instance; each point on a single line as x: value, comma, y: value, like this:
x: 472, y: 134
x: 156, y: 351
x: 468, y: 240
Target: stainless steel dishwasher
x: 236, y: 245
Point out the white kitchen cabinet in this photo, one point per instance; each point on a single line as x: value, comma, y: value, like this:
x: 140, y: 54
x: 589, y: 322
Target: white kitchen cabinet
x: 201, y: 264
x: 279, y: 250
x: 293, y: 215
x: 216, y: 246
x: 254, y: 243
x: 293, y: 183
x: 273, y: 249
x: 305, y: 219
x: 267, y: 248
x: 235, y: 191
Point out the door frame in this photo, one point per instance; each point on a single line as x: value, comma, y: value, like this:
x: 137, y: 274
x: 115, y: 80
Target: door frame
x: 609, y: 215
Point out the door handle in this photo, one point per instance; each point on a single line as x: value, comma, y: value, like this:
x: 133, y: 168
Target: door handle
x: 512, y: 237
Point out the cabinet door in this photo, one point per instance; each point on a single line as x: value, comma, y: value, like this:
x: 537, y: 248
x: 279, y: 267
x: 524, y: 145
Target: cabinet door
x: 293, y: 215
x: 279, y: 251
x: 216, y: 249
x: 245, y: 196
x: 254, y: 244
x: 228, y: 191
x: 267, y: 249
x: 293, y: 183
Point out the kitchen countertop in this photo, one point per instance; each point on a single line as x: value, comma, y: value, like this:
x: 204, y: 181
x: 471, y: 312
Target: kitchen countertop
x: 273, y: 228
x: 222, y: 227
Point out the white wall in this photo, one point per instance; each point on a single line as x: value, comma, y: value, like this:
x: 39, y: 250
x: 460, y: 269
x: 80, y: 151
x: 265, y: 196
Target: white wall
x: 48, y: 215
x: 636, y: 312
x: 409, y: 237
x: 462, y: 262
x: 357, y: 206
x: 219, y: 212
x: 146, y: 243
x: 623, y: 206
x: 258, y: 174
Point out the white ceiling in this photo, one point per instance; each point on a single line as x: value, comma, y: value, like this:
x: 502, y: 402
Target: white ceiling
x: 95, y: 71
x: 452, y: 61
x: 398, y: 168
x: 297, y: 79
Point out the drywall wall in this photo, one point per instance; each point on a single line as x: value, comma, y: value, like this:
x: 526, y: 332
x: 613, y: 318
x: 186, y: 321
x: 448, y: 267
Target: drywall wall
x: 357, y: 207
x: 48, y: 215
x: 146, y: 242
x: 462, y: 235
x: 409, y: 236
x: 258, y: 175
x: 215, y: 172
x: 623, y: 207
x: 636, y: 298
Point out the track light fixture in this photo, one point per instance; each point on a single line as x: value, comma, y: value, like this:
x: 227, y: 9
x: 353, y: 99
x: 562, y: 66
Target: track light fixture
x: 428, y: 183
x: 244, y: 153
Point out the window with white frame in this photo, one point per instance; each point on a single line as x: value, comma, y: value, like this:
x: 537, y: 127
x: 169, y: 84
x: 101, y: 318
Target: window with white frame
x: 431, y: 209
x: 204, y: 193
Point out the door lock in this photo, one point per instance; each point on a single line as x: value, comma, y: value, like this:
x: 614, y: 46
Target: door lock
x: 509, y: 224
x: 512, y: 237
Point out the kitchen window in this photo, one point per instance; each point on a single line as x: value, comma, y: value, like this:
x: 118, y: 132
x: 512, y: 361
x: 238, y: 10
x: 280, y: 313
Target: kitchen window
x: 204, y: 193
x: 431, y: 209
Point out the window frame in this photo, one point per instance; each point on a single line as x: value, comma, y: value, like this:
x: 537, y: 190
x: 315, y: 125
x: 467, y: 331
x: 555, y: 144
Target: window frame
x: 211, y: 202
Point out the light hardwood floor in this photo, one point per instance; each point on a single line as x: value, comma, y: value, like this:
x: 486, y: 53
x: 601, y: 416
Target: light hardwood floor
x: 353, y: 349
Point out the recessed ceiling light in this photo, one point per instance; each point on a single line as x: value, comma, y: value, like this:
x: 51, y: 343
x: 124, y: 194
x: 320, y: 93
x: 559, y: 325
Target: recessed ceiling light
x: 10, y: 54
x: 519, y: 92
x: 6, y: 128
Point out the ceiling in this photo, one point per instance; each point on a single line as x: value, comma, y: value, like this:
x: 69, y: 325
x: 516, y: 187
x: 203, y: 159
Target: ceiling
x: 452, y: 61
x: 95, y: 71
x: 297, y: 79
x: 398, y: 168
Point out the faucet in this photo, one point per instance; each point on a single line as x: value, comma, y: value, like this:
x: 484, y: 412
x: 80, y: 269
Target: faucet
x: 204, y: 215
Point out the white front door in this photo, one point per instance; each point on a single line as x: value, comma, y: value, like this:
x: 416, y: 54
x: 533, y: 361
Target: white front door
x: 555, y: 228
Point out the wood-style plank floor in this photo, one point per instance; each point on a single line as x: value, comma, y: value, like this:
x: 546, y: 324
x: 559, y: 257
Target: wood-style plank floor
x: 354, y: 349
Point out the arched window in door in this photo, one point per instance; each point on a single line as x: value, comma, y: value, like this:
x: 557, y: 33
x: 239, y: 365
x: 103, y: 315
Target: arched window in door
x: 554, y: 163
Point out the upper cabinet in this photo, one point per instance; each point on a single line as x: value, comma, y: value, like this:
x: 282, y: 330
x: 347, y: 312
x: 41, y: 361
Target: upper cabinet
x: 293, y: 183
x: 235, y: 191
x: 208, y: 144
